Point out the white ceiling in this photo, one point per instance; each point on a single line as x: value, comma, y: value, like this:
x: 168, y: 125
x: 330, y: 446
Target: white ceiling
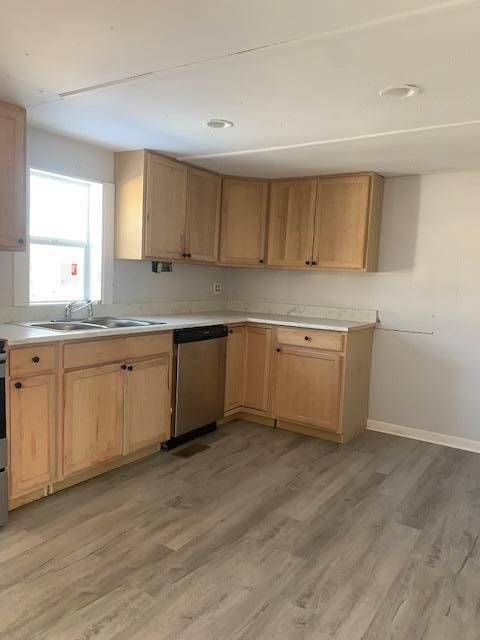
x: 299, y: 79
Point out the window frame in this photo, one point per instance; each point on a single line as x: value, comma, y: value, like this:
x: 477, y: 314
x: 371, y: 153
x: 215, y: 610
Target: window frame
x: 21, y: 261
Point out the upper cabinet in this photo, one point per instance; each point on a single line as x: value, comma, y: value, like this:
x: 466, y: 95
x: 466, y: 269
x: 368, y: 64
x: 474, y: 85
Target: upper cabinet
x: 12, y: 178
x: 291, y: 223
x: 164, y: 210
x: 244, y: 221
x: 203, y: 215
x: 347, y: 222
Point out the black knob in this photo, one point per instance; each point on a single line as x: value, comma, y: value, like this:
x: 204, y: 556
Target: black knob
x: 35, y: 359
x: 314, y: 262
x: 307, y: 261
x: 307, y: 338
x: 130, y: 368
x: 278, y: 350
x: 21, y: 241
x: 261, y: 261
x: 124, y: 366
x: 230, y: 331
x: 18, y: 385
x: 184, y: 255
x: 189, y: 255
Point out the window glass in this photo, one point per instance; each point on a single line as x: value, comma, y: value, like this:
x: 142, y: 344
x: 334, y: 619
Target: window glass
x: 58, y: 208
x: 57, y: 273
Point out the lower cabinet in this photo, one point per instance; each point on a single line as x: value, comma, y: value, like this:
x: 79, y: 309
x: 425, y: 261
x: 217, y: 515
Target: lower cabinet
x: 147, y: 412
x: 32, y: 433
x: 247, y: 383
x: 93, y: 417
x: 308, y: 387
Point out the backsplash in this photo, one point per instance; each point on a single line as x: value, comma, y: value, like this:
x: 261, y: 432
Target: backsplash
x: 309, y: 311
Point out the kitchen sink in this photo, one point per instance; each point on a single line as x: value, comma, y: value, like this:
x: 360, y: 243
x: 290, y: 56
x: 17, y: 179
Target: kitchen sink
x: 103, y: 322
x: 60, y: 325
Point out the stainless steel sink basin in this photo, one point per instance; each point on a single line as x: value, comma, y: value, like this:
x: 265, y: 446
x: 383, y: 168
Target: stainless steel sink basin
x: 60, y: 325
x: 118, y: 323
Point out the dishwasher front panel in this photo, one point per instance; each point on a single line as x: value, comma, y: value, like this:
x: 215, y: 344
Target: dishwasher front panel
x: 200, y: 384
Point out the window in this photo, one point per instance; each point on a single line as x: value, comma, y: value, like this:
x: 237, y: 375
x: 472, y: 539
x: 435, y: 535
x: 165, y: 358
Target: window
x: 65, y: 238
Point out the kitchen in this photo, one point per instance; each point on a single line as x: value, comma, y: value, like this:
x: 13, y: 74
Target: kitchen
x: 338, y: 290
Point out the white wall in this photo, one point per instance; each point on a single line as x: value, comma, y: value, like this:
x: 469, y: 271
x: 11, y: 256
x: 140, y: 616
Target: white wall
x: 426, y: 363
x: 133, y: 281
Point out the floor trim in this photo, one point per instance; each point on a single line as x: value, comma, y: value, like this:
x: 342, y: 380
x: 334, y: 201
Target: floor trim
x: 425, y: 436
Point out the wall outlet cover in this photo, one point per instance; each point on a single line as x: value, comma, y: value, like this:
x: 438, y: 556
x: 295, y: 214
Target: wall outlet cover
x: 217, y: 288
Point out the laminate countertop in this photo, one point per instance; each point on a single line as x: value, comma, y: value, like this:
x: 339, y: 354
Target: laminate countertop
x: 25, y: 333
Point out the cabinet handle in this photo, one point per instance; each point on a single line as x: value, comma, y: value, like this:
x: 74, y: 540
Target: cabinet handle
x: 124, y: 366
x: 261, y: 261
x: 130, y: 368
x: 35, y: 359
x: 230, y: 331
x: 308, y: 339
x: 314, y: 262
x: 18, y: 385
x: 189, y: 255
x: 184, y: 255
x: 279, y: 350
x: 21, y: 241
x: 307, y: 261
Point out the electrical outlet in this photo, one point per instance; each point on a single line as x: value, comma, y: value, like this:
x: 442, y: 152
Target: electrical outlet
x: 217, y: 288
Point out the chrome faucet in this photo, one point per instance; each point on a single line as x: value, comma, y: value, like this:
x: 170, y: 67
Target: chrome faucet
x: 71, y: 308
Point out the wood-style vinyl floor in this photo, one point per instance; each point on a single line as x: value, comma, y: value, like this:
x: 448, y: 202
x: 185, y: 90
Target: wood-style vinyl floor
x: 265, y: 535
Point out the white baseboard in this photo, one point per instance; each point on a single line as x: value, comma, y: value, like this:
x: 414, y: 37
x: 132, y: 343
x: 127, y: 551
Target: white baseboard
x: 426, y: 436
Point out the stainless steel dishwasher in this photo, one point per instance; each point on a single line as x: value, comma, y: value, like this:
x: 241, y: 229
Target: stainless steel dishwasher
x: 199, y: 381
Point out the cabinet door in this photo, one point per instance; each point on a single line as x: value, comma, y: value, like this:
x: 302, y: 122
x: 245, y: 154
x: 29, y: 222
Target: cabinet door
x: 147, y: 403
x: 93, y: 418
x: 341, y: 222
x: 12, y: 178
x: 203, y: 215
x: 257, y: 379
x: 308, y: 387
x: 291, y: 223
x: 32, y: 434
x: 235, y: 367
x: 243, y: 225
x: 165, y: 203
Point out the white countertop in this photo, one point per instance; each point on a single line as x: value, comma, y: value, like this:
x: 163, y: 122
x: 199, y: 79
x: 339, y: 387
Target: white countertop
x: 22, y: 334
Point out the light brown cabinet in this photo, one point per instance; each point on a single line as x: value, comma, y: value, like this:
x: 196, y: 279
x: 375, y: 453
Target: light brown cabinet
x: 164, y: 210
x: 147, y: 411
x: 93, y: 417
x: 347, y: 222
x: 248, y: 368
x: 12, y: 178
x: 203, y: 215
x: 257, y: 379
x: 308, y: 387
x: 291, y: 223
x: 32, y: 433
x: 235, y: 367
x: 243, y: 222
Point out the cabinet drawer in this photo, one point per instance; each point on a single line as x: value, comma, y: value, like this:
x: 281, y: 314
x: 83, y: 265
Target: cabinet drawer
x: 27, y: 361
x: 151, y: 345
x: 85, y: 354
x: 313, y: 338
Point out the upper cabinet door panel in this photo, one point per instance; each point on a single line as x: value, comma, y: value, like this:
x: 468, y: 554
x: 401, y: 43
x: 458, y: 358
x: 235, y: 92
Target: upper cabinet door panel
x: 341, y: 223
x: 291, y: 223
x: 203, y: 215
x: 244, y: 216
x: 12, y: 178
x: 165, y: 205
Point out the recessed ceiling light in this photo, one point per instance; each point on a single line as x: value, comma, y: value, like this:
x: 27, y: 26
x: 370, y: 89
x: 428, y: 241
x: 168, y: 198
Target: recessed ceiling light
x: 219, y: 123
x: 401, y: 91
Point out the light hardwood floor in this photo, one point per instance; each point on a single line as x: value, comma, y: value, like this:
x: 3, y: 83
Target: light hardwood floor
x: 265, y: 535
